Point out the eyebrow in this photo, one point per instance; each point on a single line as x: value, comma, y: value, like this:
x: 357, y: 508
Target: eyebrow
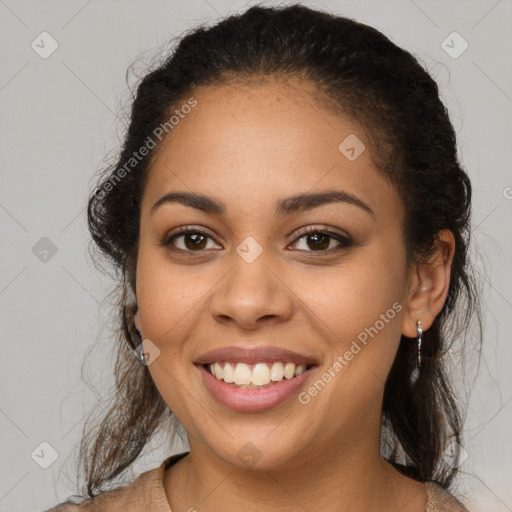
x: 283, y: 207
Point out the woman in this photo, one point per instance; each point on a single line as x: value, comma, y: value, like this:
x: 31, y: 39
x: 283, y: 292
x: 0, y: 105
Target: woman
x: 291, y: 224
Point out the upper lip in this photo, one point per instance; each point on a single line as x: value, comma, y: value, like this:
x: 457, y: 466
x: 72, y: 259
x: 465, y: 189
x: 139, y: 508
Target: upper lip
x: 252, y: 355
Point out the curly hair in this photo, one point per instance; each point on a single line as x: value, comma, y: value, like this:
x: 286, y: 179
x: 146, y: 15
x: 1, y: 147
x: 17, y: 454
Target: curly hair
x: 357, y: 72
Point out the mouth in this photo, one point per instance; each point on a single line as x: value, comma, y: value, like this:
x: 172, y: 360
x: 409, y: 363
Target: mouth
x: 257, y: 379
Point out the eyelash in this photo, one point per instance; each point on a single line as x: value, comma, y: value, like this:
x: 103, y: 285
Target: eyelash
x: 345, y: 241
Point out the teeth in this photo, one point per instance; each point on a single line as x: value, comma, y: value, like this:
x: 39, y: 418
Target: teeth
x: 218, y: 371
x: 243, y: 374
x: 277, y: 372
x: 300, y: 369
x: 289, y: 370
x: 261, y: 375
x: 229, y: 374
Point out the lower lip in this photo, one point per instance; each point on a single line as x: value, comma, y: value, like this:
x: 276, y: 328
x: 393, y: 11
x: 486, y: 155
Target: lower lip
x: 251, y: 400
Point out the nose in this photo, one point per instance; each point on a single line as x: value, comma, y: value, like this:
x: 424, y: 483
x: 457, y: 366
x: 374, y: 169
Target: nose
x: 252, y: 294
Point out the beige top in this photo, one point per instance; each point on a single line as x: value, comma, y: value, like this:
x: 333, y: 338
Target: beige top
x: 146, y: 493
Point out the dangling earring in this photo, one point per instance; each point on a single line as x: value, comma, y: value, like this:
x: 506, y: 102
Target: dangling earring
x: 140, y: 354
x: 420, y: 332
x: 416, y: 370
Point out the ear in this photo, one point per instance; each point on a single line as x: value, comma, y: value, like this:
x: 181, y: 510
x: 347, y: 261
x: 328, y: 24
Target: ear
x: 428, y: 286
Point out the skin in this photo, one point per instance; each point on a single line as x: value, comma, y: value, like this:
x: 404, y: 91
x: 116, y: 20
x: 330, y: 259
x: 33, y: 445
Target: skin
x: 249, y: 146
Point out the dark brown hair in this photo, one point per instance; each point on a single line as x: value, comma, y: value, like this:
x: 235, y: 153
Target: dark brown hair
x: 360, y: 73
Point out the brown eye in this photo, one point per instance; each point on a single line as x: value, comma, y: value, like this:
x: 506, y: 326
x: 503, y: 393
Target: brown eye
x: 322, y: 241
x: 187, y: 240
x: 194, y: 241
x: 318, y: 241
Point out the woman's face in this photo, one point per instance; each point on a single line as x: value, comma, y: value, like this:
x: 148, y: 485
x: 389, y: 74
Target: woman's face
x: 251, y: 285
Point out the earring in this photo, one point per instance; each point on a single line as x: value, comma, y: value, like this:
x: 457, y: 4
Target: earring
x: 415, y: 374
x: 140, y: 354
x: 420, y: 332
x: 139, y: 350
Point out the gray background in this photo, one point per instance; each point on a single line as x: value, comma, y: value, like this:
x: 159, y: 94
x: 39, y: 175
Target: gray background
x: 60, y: 118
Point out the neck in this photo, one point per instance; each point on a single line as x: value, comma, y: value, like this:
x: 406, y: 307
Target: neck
x: 348, y: 477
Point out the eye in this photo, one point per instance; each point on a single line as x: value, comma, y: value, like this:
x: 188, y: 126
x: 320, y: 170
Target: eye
x: 193, y: 240
x: 317, y: 241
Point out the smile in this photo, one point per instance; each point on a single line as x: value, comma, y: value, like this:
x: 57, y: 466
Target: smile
x: 254, y: 378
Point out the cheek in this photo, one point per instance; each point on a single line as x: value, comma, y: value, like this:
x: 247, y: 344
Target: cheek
x: 167, y: 301
x: 166, y: 297
x: 361, y: 312
x: 354, y: 296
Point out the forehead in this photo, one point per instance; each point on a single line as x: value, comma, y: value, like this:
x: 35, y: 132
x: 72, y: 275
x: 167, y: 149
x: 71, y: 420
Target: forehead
x: 252, y: 144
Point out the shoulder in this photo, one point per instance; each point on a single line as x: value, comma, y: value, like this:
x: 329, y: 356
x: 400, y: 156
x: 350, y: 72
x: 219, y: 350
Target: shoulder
x: 114, y: 500
x: 63, y: 507
x: 146, y: 492
x: 441, y: 500
x: 86, y: 506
